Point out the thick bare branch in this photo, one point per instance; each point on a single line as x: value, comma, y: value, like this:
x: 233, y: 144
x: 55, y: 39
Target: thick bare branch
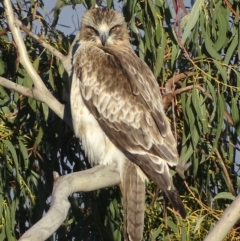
x: 40, y: 92
x: 15, y: 87
x: 95, y: 178
x: 66, y: 60
x: 62, y: 111
x: 21, y: 47
x: 224, y: 225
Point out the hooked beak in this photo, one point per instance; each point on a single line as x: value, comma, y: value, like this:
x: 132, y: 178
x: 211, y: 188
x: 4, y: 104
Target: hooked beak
x: 103, y: 38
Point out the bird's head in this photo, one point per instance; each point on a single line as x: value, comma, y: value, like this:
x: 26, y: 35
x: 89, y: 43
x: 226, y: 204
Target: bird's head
x: 104, y: 26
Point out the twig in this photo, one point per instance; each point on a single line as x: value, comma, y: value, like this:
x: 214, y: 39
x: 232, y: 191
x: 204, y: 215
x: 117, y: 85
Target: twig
x: 54, y: 51
x: 176, y: 78
x: 194, y: 196
x: 179, y: 91
x: 167, y: 98
x: 228, y: 117
x: 231, y: 9
x: 174, y: 120
x: 225, y: 172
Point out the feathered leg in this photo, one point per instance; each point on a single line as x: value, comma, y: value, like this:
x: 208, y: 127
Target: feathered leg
x: 133, y: 187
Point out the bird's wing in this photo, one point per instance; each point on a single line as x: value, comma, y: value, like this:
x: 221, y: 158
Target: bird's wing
x: 122, y: 94
x: 120, y: 90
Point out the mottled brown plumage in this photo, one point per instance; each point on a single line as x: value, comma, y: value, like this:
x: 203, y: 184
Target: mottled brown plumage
x: 118, y: 113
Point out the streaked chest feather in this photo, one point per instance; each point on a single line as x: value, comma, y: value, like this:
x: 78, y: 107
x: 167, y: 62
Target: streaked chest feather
x: 97, y: 146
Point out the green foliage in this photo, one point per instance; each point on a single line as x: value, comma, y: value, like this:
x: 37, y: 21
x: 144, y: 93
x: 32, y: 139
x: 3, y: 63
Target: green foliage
x: 196, y: 62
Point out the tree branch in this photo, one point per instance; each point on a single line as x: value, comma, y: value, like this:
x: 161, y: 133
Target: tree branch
x: 95, y: 178
x: 227, y: 221
x: 92, y: 179
x: 21, y: 47
x: 230, y: 185
x: 16, y: 87
x: 54, y: 51
x: 40, y: 92
x: 66, y: 60
x: 167, y: 99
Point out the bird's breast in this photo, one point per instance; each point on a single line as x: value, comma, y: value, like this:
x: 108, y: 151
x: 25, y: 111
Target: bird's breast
x: 97, y: 146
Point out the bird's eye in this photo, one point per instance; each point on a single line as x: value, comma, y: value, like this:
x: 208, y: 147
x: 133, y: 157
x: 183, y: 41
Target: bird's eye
x: 114, y: 29
x: 92, y: 30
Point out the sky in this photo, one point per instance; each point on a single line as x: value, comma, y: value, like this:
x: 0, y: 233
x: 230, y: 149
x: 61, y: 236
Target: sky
x: 70, y: 18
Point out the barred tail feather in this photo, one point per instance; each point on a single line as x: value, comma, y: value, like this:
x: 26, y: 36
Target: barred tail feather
x: 133, y: 203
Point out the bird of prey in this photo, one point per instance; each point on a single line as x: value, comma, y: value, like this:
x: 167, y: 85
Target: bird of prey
x: 117, y: 112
